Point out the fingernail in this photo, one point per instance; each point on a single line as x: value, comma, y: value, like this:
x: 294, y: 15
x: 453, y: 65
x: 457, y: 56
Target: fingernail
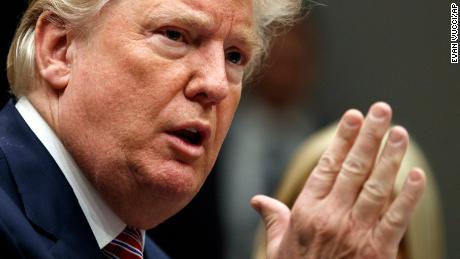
x: 415, y: 176
x: 378, y: 112
x: 352, y: 122
x: 396, y: 138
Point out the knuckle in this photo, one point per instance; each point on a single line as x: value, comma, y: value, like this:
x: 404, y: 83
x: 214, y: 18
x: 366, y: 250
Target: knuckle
x: 390, y: 163
x: 328, y: 164
x: 372, y: 140
x: 394, y: 220
x: 369, y: 252
x: 317, y: 183
x: 346, y: 134
x: 375, y: 191
x: 408, y: 199
x: 411, y: 197
x: 355, y: 166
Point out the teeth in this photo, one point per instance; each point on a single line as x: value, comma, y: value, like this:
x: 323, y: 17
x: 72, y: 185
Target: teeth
x: 193, y: 130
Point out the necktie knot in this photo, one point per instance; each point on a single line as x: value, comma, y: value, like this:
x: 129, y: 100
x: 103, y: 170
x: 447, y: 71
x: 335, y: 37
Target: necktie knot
x: 127, y: 245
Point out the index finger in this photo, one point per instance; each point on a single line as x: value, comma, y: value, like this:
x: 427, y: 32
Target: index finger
x: 360, y: 160
x: 323, y: 176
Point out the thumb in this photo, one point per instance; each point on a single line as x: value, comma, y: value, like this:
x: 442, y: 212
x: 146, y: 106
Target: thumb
x: 275, y: 216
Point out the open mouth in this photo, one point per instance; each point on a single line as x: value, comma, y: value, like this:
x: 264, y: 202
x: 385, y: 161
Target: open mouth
x: 190, y: 135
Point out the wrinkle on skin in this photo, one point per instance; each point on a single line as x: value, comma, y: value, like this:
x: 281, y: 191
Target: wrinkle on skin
x: 127, y: 89
x: 207, y: 23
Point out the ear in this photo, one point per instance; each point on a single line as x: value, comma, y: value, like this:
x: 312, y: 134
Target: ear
x: 51, y: 51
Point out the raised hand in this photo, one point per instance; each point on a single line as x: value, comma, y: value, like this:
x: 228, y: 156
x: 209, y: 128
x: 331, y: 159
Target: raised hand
x: 346, y: 208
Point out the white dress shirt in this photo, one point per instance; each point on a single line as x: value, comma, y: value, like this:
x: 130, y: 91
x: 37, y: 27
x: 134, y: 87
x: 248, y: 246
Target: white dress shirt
x: 104, y: 223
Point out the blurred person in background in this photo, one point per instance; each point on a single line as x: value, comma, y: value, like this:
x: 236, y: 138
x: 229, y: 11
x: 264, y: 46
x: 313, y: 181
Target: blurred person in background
x: 273, y: 118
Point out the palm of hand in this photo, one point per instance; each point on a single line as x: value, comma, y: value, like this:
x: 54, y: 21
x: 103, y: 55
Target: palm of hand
x: 345, y: 208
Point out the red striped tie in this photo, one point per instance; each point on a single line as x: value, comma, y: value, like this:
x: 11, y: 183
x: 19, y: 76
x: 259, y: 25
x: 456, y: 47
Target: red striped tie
x: 127, y: 245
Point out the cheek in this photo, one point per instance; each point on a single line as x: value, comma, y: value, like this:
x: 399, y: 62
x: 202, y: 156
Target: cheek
x: 127, y: 69
x: 129, y: 82
x: 225, y: 112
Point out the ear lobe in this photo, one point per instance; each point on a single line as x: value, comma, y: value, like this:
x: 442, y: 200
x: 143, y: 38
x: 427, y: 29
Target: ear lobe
x: 51, y: 47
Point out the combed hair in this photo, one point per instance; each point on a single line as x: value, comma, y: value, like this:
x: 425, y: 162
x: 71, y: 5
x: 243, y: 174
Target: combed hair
x: 270, y: 18
x: 74, y: 14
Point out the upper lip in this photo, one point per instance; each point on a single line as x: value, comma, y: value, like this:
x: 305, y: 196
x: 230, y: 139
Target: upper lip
x: 200, y: 127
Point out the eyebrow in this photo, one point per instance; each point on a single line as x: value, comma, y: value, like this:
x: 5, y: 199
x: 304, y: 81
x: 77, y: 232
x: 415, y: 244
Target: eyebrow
x: 249, y: 39
x: 193, y: 18
x: 188, y: 17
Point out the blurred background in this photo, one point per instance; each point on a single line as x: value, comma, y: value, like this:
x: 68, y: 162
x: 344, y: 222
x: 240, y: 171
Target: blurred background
x: 347, y: 54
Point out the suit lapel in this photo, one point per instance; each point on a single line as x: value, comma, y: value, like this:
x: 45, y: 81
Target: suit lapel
x: 48, y: 200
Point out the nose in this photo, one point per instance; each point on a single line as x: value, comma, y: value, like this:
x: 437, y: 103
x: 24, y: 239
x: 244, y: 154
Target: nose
x: 209, y: 83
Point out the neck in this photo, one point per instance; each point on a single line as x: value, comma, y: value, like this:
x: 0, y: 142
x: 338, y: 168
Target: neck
x: 46, y: 102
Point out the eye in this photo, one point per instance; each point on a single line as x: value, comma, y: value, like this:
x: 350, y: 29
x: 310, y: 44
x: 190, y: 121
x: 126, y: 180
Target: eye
x: 173, y: 35
x: 234, y: 57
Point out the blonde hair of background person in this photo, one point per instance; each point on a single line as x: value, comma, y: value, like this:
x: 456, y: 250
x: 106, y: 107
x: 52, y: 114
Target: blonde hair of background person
x: 424, y: 237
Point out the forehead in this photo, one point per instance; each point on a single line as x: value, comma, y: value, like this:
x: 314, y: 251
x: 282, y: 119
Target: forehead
x: 239, y: 9
x: 234, y: 15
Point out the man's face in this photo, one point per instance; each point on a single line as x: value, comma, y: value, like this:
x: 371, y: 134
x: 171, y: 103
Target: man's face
x: 152, y: 93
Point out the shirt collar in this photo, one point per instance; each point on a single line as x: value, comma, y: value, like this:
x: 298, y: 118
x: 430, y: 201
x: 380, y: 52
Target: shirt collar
x: 104, y: 223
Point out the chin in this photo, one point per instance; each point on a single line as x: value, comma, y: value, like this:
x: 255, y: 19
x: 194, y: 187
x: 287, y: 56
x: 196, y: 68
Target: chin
x: 157, y: 198
x: 170, y: 180
x: 158, y: 189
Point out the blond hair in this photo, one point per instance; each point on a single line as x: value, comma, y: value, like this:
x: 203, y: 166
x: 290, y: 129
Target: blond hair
x: 424, y: 236
x: 269, y: 17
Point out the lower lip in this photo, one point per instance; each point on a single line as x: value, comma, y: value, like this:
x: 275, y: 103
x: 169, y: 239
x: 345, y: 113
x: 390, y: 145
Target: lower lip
x: 187, y: 151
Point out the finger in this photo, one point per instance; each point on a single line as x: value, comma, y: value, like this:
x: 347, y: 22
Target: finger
x: 324, y: 174
x: 378, y: 188
x: 275, y: 216
x: 358, y: 163
x: 393, y: 224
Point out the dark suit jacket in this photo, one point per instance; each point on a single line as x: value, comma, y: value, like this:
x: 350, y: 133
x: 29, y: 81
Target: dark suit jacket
x: 39, y: 213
